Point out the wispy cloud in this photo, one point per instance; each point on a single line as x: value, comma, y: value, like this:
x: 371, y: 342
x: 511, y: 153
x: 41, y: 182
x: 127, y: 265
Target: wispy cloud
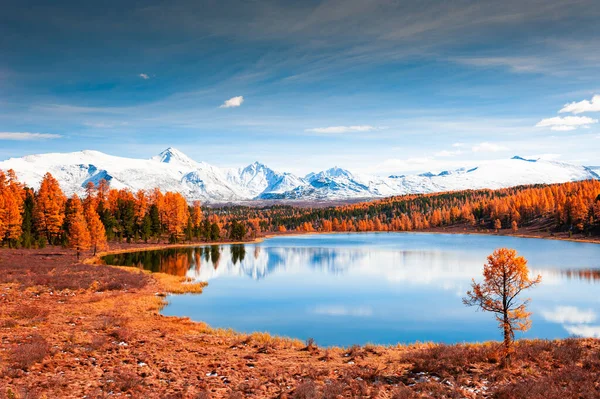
x: 569, y: 314
x: 144, y: 76
x: 447, y: 153
x: 233, y: 102
x: 580, y: 107
x: 488, y: 147
x: 25, y: 136
x: 515, y: 64
x: 584, y: 331
x: 566, y: 123
x: 340, y: 310
x: 343, y: 129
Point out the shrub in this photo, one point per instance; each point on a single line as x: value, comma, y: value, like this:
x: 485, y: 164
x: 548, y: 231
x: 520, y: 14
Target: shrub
x: 30, y: 313
x: 333, y: 390
x: 27, y: 354
x: 306, y: 390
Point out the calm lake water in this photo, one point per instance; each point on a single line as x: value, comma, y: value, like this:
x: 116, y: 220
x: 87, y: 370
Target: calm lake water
x: 344, y: 289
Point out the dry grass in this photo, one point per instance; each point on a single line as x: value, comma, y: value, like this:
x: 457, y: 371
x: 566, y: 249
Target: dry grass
x: 179, y: 284
x: 56, y: 269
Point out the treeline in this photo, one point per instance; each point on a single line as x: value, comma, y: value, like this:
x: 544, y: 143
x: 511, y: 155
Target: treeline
x: 31, y: 218
x: 571, y: 207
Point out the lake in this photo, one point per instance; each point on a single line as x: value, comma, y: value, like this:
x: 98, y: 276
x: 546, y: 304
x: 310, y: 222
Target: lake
x: 383, y: 288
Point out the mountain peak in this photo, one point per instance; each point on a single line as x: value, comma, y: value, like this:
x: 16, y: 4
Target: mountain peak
x: 516, y: 157
x: 173, y: 155
x: 337, y: 171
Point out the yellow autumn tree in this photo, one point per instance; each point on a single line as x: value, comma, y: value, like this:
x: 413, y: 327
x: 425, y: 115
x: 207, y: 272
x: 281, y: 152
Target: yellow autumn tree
x: 96, y: 229
x: 50, y: 208
x: 197, y: 215
x: 505, y: 276
x: 497, y: 225
x: 79, y: 235
x: 11, y: 207
x: 176, y: 214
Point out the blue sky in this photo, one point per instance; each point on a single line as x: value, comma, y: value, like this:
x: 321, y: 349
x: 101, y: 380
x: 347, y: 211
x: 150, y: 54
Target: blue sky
x: 381, y: 86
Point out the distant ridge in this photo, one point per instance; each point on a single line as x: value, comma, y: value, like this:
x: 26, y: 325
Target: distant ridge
x: 172, y: 170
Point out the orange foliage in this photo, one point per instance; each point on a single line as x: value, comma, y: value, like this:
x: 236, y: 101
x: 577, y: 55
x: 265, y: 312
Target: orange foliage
x: 96, y: 229
x: 505, y: 276
x: 50, y: 207
x: 11, y: 206
x: 79, y: 236
x: 175, y: 213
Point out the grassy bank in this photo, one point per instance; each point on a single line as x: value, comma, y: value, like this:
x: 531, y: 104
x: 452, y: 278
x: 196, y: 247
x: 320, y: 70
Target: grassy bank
x: 74, y: 330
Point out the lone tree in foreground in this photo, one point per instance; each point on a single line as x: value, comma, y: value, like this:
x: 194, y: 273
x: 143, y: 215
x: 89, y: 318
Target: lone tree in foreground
x: 505, y: 276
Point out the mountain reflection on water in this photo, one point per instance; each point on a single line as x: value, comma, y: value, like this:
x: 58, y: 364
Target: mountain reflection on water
x: 212, y: 261
x: 385, y: 288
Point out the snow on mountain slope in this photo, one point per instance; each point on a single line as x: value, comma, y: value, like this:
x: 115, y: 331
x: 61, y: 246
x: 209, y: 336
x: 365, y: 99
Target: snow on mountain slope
x: 171, y: 170
x: 257, y: 179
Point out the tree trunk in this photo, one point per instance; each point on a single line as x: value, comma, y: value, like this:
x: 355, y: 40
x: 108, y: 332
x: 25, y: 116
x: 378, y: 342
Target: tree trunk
x: 506, y: 326
x: 507, y: 342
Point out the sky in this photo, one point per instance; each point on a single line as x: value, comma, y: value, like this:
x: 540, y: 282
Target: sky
x: 380, y: 86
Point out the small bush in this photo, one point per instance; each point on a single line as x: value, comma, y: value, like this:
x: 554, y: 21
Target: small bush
x: 306, y: 390
x: 403, y: 392
x: 124, y: 380
x: 27, y: 354
x: 30, y: 313
x: 333, y: 390
x: 98, y: 342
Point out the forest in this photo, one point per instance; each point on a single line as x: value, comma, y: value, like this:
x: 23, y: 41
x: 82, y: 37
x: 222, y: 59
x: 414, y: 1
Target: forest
x: 30, y: 218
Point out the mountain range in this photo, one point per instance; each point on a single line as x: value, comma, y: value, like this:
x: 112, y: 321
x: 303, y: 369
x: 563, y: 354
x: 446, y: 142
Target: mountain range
x: 172, y: 170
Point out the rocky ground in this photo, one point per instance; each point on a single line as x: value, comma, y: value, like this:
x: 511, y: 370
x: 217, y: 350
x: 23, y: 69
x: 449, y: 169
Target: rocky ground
x: 73, y: 330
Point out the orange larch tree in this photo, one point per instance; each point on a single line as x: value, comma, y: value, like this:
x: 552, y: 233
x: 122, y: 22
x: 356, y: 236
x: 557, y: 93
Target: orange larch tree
x: 12, y: 196
x: 176, y: 214
x: 96, y: 229
x: 50, y: 208
x: 505, y: 276
x: 79, y: 235
x: 197, y: 216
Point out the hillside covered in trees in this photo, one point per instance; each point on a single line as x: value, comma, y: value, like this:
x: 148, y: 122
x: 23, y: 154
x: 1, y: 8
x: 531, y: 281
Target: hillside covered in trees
x: 31, y: 218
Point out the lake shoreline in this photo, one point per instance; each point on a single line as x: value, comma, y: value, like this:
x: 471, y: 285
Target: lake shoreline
x: 134, y: 247
x: 104, y: 332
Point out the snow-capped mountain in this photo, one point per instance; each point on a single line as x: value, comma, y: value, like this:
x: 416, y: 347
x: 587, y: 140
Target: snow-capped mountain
x: 172, y: 170
x: 257, y: 179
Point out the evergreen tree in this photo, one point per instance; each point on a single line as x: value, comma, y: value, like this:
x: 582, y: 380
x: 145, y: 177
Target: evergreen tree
x: 28, y: 235
x: 215, y: 232
x: 156, y: 225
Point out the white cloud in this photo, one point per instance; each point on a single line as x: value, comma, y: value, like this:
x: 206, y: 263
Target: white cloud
x: 233, y: 102
x: 446, y: 153
x: 515, y: 64
x: 569, y: 314
x: 488, y: 147
x: 342, y: 129
x: 584, y: 331
x: 563, y: 128
x: 458, y: 145
x: 340, y: 310
x: 583, y: 106
x: 23, y: 136
x: 566, y: 123
x: 144, y: 76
